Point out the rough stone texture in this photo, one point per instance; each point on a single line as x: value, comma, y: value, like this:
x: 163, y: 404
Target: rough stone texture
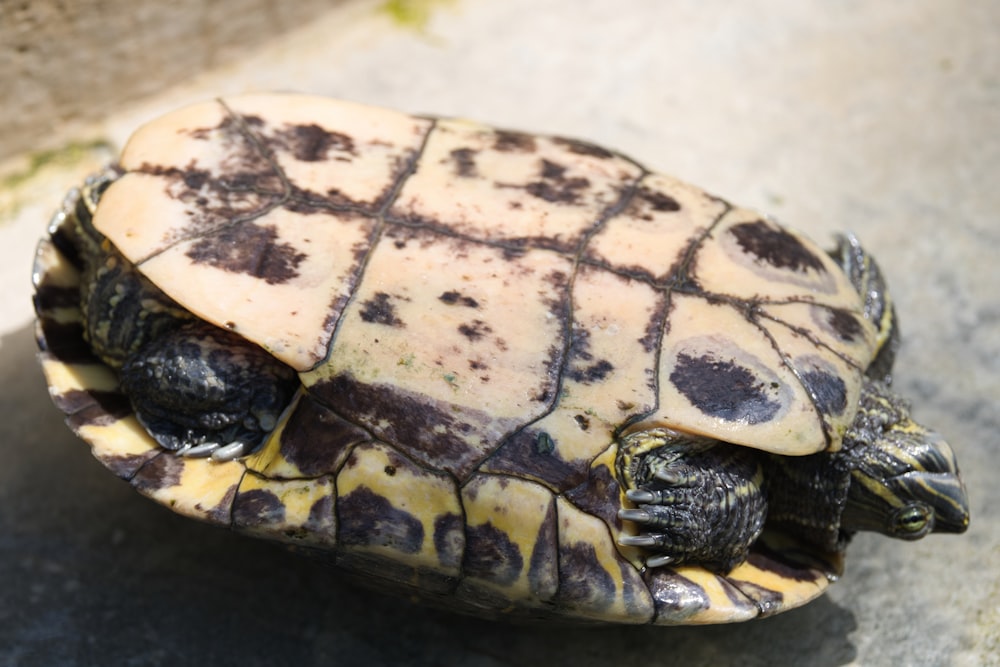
x: 875, y: 117
x: 77, y: 61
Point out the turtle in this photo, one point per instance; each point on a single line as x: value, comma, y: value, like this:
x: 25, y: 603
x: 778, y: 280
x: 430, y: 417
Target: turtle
x: 513, y: 375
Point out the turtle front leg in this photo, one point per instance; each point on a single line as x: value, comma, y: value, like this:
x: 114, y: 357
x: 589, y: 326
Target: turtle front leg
x: 697, y: 500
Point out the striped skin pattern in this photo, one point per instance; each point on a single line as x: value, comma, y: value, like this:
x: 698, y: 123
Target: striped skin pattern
x: 475, y: 315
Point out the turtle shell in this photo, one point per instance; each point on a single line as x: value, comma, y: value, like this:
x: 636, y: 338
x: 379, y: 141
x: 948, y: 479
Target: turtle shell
x: 476, y: 315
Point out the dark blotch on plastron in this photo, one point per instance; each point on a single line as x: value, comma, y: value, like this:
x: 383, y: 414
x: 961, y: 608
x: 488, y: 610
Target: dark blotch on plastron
x: 828, y: 390
x: 378, y: 310
x: 369, y: 519
x: 195, y: 178
x: 658, y: 201
x: 222, y: 513
x: 249, y: 249
x: 579, y: 350
x: 593, y: 495
x: 783, y: 564
x: 92, y: 407
x: 433, y: 432
x: 257, y: 507
x: 723, y: 389
x: 125, y: 467
x: 316, y: 441
x: 491, y: 555
x: 510, y: 142
x: 321, y: 519
x: 583, y: 421
x: 595, y: 372
x: 583, y: 148
x: 543, y: 570
x: 312, y: 143
x: 768, y: 601
x: 453, y: 298
x: 555, y: 187
x: 533, y: 454
x: 583, y: 581
x: 775, y: 246
x: 160, y: 473
x: 449, y: 540
x: 845, y: 324
x: 464, y: 160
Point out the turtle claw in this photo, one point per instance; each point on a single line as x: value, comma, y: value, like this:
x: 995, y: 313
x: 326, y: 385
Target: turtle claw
x: 231, y: 451
x: 668, y: 476
x: 199, y: 451
x: 639, y: 516
x: 215, y: 451
x: 645, y: 541
x: 660, y: 561
x: 640, y: 496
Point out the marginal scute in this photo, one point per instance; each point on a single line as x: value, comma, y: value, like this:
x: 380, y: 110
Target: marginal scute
x: 695, y: 596
x: 197, y: 488
x: 594, y: 581
x: 844, y: 332
x: 288, y: 301
x: 510, y: 542
x: 763, y: 406
x: 776, y: 583
x: 389, y: 507
x: 298, y: 511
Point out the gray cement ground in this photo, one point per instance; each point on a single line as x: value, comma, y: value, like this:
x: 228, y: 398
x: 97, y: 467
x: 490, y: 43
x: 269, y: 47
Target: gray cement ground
x: 881, y: 118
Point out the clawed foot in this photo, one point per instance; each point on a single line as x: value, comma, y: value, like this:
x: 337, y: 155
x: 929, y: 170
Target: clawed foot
x: 215, y: 450
x: 201, y: 391
x: 696, y: 501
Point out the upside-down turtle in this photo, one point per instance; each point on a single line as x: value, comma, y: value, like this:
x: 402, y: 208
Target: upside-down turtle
x: 510, y: 374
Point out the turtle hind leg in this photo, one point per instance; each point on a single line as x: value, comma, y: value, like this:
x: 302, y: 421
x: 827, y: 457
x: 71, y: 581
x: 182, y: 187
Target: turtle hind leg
x: 201, y: 390
x: 697, y: 500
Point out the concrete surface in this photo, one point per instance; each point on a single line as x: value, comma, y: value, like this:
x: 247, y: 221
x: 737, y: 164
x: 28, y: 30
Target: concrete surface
x: 877, y: 117
x: 66, y: 63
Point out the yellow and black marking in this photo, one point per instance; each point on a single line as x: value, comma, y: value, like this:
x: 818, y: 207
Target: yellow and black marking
x: 475, y: 316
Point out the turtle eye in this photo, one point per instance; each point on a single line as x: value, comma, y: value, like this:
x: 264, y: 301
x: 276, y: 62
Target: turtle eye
x: 912, y: 522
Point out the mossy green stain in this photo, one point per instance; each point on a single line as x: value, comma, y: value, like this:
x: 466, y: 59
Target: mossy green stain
x: 414, y: 14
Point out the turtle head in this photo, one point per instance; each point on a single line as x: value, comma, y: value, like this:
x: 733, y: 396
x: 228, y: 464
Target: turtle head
x: 904, y: 478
